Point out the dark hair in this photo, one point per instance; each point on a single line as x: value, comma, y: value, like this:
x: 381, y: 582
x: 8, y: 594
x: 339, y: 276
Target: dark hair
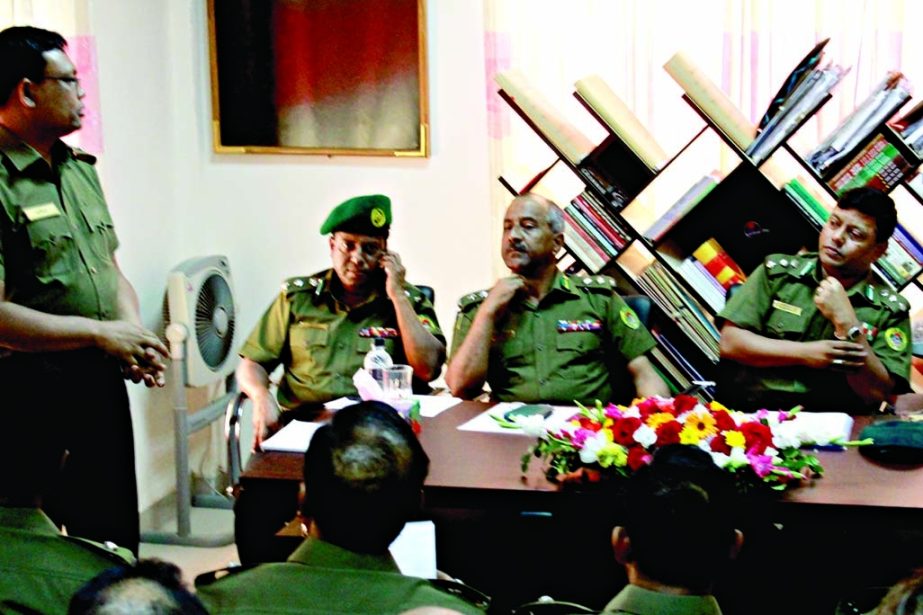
x: 679, y: 518
x: 875, y: 204
x: 363, y: 474
x: 113, y: 591
x: 21, y: 49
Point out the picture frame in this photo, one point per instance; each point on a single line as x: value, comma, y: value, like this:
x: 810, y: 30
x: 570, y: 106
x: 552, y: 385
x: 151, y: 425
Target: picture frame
x: 323, y: 77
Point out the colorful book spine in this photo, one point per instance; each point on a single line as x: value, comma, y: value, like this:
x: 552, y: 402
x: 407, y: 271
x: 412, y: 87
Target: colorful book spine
x: 719, y: 263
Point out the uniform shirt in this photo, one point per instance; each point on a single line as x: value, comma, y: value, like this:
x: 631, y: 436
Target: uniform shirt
x: 40, y: 569
x: 56, y: 235
x: 777, y: 301
x: 322, y: 341
x: 634, y: 600
x: 320, y: 577
x: 572, y: 345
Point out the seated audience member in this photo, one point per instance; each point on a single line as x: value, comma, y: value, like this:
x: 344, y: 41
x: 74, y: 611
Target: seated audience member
x: 363, y: 475
x: 541, y: 335
x: 320, y: 327
x: 904, y: 598
x: 814, y: 329
x: 151, y: 587
x: 677, y: 535
x: 40, y: 568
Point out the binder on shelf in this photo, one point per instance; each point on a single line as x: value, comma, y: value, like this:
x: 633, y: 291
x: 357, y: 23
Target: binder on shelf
x: 620, y: 120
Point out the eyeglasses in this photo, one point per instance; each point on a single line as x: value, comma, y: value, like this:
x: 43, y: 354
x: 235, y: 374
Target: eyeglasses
x: 368, y: 249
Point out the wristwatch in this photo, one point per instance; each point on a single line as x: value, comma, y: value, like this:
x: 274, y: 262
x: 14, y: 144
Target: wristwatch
x: 852, y: 335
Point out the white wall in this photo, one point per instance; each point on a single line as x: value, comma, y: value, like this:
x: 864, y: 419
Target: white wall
x: 172, y: 197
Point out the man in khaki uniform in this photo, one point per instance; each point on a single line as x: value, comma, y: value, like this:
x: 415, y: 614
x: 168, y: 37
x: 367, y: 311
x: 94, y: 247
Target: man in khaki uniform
x: 540, y: 335
x: 363, y: 475
x: 320, y: 327
x: 813, y: 329
x: 69, y: 322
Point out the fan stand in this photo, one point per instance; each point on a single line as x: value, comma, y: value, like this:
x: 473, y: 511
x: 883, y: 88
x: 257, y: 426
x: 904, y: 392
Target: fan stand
x: 185, y: 424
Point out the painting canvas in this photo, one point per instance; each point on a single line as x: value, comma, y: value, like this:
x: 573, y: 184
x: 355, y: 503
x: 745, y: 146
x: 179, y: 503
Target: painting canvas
x: 319, y: 76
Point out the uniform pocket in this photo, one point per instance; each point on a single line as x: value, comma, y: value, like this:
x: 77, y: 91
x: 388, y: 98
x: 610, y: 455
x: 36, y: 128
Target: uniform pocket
x: 786, y: 325
x: 579, y: 341
x: 54, y: 253
x: 102, y: 237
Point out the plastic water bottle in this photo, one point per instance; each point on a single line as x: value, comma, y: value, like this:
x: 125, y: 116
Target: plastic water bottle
x: 377, y: 356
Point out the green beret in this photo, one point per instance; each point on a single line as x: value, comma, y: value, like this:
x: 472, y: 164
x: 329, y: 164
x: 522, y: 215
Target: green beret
x: 894, y: 441
x: 362, y: 215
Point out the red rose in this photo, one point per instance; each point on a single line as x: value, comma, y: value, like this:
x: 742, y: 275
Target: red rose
x: 668, y: 433
x: 590, y: 424
x: 719, y: 445
x: 684, y: 403
x: 648, y: 407
x: 623, y: 430
x: 756, y: 436
x: 638, y: 457
x: 723, y: 420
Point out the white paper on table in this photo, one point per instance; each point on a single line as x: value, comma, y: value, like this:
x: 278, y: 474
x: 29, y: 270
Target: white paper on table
x: 485, y: 423
x: 831, y: 426
x: 430, y: 405
x: 293, y: 438
x: 414, y: 549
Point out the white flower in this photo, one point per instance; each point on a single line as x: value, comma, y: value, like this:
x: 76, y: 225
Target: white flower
x: 738, y: 457
x: 632, y: 412
x: 532, y: 425
x: 645, y: 436
x: 591, y: 447
x: 721, y: 460
x: 787, y: 435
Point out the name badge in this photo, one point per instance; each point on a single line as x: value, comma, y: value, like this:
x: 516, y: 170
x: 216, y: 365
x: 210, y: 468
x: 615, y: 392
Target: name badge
x: 786, y: 307
x: 40, y: 212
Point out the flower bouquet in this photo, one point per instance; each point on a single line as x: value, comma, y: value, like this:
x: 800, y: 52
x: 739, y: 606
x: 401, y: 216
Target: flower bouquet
x: 609, y: 441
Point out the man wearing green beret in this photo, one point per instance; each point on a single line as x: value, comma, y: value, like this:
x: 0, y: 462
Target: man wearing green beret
x: 813, y: 329
x: 541, y: 335
x: 321, y: 326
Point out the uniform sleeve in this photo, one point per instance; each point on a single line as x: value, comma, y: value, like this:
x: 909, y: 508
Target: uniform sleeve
x: 462, y: 325
x: 892, y: 345
x: 267, y: 341
x: 629, y: 335
x: 748, y: 307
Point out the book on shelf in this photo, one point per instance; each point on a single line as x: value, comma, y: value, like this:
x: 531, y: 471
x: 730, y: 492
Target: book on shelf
x: 801, y: 72
x: 806, y: 201
x: 899, y: 265
x: 570, y: 142
x: 713, y: 102
x: 908, y: 242
x: 593, y: 178
x: 719, y: 263
x: 620, y: 120
x: 592, y: 230
x: 683, y: 206
x: 580, y: 244
x: 878, y: 165
x: 884, y: 101
x: 697, y: 276
x: 910, y: 128
x: 598, y: 218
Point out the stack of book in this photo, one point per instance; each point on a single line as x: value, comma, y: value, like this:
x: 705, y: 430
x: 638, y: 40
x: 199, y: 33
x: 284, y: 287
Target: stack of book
x: 910, y: 128
x: 882, y: 103
x: 688, y: 314
x: 878, y: 165
x: 902, y: 261
x: 591, y: 233
x: 806, y: 202
x: 683, y: 206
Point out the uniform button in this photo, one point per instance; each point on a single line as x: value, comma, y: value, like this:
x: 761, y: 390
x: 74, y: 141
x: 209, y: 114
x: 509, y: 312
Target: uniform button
x: 543, y: 381
x: 93, y: 270
x: 540, y: 348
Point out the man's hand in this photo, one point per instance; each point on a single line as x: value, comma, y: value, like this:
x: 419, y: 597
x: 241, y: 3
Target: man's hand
x: 834, y: 354
x: 133, y: 345
x: 394, y: 274
x: 831, y: 301
x: 265, y: 419
x: 502, y: 293
x: 151, y: 372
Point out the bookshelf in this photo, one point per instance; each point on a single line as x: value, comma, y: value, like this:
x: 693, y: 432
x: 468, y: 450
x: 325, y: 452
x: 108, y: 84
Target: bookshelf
x: 750, y: 213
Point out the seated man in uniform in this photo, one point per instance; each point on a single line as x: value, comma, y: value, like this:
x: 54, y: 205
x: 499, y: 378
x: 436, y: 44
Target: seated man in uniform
x: 677, y: 534
x: 363, y: 475
x: 813, y: 329
x: 540, y: 335
x: 41, y: 568
x: 320, y: 327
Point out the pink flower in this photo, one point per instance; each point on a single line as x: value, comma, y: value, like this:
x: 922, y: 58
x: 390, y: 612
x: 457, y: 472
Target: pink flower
x: 580, y: 436
x: 613, y: 412
x: 761, y: 464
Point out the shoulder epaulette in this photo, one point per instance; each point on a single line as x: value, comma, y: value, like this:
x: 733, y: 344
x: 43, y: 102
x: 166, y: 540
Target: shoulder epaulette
x: 207, y: 578
x: 413, y: 293
x: 788, y: 264
x: 109, y: 550
x: 471, y: 299
x: 83, y: 156
x: 301, y: 283
x: 888, y: 298
x: 601, y: 283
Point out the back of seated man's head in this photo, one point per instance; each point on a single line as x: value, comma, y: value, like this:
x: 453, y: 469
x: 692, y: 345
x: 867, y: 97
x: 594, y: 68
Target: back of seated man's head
x: 363, y: 473
x: 679, y: 519
x: 150, y: 587
x: 875, y: 204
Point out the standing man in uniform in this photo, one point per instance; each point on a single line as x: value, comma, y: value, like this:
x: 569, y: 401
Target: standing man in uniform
x: 70, y: 329
x: 813, y: 329
x: 320, y: 327
x: 540, y: 335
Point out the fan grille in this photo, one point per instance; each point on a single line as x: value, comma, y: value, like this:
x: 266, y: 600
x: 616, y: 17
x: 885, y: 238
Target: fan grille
x: 214, y: 320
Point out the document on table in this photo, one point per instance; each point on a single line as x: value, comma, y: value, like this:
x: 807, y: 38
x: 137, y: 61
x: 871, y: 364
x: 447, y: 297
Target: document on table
x: 293, y: 438
x: 414, y: 549
x: 430, y: 405
x: 485, y: 422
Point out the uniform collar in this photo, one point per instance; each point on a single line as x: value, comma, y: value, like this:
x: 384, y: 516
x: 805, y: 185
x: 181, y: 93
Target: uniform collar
x: 562, y: 284
x: 863, y: 288
x: 635, y: 599
x: 316, y: 552
x: 22, y: 155
x: 328, y: 279
x: 31, y: 520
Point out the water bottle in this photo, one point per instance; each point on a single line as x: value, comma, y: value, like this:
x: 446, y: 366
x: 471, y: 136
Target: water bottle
x: 377, y: 358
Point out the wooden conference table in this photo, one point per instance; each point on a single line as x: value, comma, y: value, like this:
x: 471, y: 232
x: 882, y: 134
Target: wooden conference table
x: 493, y: 522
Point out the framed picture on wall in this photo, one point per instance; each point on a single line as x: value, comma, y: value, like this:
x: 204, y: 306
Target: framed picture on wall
x: 329, y: 77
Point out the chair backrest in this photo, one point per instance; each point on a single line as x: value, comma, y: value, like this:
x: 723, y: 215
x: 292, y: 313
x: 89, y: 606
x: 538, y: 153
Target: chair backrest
x: 733, y: 288
x: 547, y: 606
x: 428, y: 292
x: 641, y: 306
